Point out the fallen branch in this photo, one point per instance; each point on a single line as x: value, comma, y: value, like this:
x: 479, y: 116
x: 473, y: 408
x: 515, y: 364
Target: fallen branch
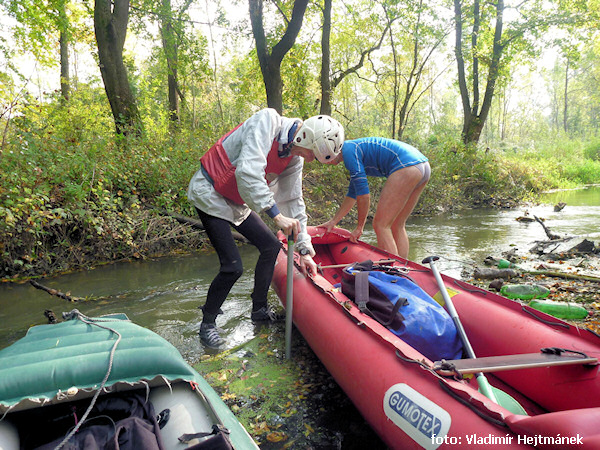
x: 54, y: 292
x: 572, y: 276
x: 549, y: 233
x: 195, y: 223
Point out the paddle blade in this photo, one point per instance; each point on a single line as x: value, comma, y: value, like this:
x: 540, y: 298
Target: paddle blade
x: 508, y: 402
x: 498, y: 396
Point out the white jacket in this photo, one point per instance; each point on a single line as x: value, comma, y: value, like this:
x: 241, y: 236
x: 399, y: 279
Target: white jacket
x: 247, y: 148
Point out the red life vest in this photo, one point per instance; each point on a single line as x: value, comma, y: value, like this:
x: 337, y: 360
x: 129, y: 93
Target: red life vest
x: 217, y: 165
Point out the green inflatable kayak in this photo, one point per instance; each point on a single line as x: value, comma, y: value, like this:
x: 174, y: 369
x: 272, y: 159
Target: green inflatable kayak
x: 74, y: 379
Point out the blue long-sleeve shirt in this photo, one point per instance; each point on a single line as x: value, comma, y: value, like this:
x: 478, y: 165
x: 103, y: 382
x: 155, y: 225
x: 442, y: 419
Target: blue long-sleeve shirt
x: 376, y: 157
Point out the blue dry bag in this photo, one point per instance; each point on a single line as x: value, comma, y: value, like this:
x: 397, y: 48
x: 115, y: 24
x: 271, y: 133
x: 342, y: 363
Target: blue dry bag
x: 406, y: 309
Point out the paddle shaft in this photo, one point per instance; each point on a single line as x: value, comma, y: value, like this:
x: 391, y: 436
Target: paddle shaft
x: 289, y: 302
x: 482, y: 381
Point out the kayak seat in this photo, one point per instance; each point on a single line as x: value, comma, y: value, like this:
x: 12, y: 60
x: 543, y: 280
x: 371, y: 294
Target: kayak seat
x: 547, y: 357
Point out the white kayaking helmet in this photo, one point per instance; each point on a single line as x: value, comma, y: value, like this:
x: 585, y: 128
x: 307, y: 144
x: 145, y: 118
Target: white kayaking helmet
x: 323, y: 135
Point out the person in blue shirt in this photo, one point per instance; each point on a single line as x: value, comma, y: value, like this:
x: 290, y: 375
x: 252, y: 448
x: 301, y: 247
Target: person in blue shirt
x: 407, y: 171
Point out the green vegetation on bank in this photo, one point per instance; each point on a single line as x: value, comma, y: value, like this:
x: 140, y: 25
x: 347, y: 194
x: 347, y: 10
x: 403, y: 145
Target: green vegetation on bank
x: 72, y: 196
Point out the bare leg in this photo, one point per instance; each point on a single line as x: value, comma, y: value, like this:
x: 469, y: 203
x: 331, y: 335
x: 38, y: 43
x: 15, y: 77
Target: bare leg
x: 399, y: 225
x: 397, y: 200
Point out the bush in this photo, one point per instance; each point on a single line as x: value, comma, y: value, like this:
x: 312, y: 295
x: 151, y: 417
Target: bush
x: 592, y: 151
x: 72, y: 196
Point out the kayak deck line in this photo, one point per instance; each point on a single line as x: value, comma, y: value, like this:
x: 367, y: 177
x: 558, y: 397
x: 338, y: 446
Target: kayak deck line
x: 339, y: 266
x: 460, y: 367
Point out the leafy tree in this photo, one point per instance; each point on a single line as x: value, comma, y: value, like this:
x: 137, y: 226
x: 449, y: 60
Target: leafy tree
x: 493, y: 43
x: 174, y: 29
x: 110, y: 25
x: 362, y: 29
x: 421, y: 34
x: 270, y: 60
x: 168, y: 31
x: 581, y: 110
x: 38, y: 24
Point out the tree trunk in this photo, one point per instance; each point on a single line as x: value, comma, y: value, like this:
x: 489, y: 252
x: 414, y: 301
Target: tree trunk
x: 474, y: 39
x: 64, y: 66
x: 169, y: 41
x: 460, y: 62
x: 327, y: 84
x: 64, y: 53
x: 110, y: 26
x: 326, y: 59
x: 413, y: 78
x: 494, y: 70
x: 474, y: 117
x: 270, y: 61
x: 396, y: 90
x: 566, y: 101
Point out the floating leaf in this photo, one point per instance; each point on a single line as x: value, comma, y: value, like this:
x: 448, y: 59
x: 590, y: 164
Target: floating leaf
x: 228, y: 396
x: 276, y: 436
x: 260, y: 428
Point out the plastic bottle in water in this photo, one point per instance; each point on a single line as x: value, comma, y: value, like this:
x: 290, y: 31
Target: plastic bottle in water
x: 524, y: 291
x: 562, y: 310
x: 505, y: 264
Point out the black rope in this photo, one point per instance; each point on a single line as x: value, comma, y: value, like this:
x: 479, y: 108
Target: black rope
x: 559, y: 351
x: 477, y: 290
x: 547, y: 322
x: 476, y: 410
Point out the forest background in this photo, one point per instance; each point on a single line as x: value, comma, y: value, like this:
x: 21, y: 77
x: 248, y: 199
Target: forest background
x: 106, y: 107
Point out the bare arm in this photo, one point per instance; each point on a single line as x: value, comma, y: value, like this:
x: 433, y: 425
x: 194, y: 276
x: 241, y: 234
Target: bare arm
x: 364, y: 203
x: 344, y: 209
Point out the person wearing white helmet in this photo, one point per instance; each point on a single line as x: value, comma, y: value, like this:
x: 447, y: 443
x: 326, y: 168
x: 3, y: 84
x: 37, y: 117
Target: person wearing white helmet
x: 407, y: 171
x: 257, y: 167
x: 323, y: 135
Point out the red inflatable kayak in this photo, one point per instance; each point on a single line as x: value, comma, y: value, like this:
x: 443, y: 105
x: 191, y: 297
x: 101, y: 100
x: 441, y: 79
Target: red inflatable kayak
x: 413, y: 402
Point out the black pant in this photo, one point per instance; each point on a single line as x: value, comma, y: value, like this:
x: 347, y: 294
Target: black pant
x: 259, y: 235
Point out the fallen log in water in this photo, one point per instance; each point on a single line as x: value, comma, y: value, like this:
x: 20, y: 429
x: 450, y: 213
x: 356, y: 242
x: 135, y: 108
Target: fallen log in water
x: 490, y: 274
x: 54, y: 292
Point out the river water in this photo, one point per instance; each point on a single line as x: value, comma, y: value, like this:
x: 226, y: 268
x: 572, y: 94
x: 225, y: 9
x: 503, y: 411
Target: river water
x: 164, y: 294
